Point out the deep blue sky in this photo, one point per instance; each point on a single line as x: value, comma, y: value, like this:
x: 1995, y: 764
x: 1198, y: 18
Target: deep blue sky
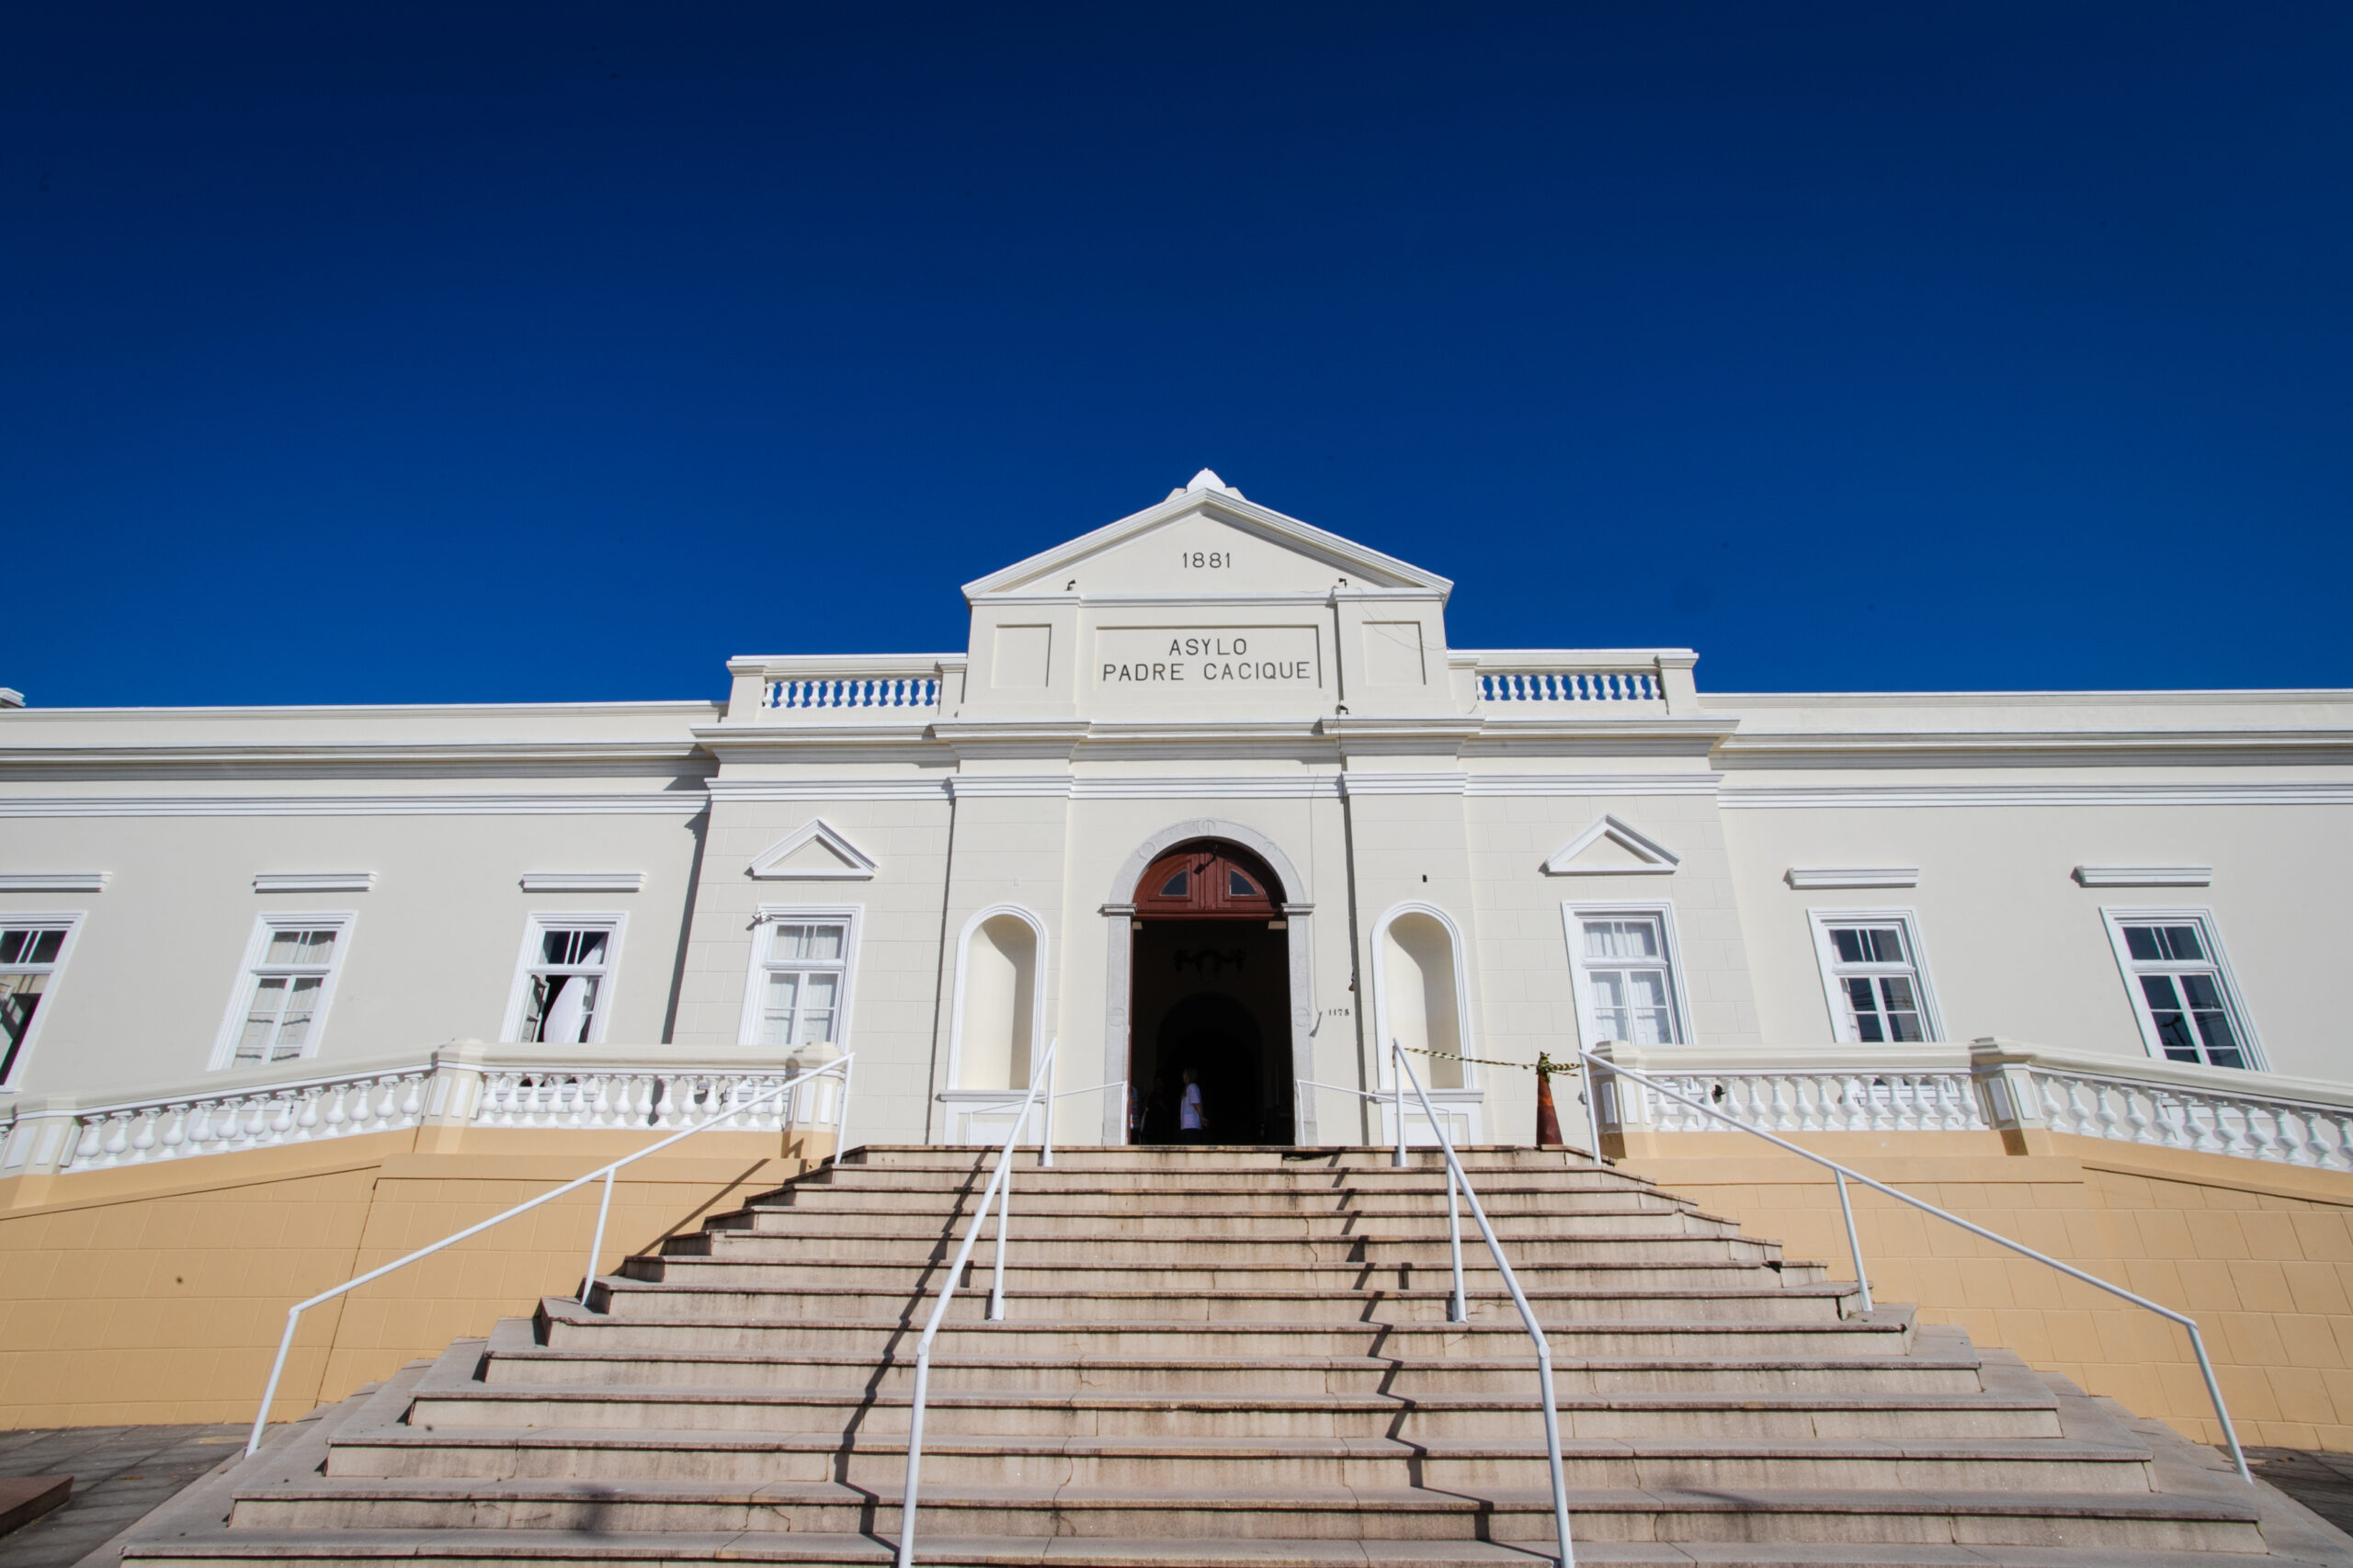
x: 501, y: 352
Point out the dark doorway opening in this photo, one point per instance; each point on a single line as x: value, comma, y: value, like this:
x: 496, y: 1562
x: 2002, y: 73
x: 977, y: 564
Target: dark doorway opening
x: 1211, y: 991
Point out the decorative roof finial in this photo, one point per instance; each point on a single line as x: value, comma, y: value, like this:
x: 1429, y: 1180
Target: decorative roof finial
x: 1208, y: 480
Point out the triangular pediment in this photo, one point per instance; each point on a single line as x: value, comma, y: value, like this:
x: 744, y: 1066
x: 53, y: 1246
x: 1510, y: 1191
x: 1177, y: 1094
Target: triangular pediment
x: 813, y: 852
x: 1610, y: 849
x: 1205, y: 541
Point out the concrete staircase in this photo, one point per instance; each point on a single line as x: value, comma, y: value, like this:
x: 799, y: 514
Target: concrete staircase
x: 1234, y: 1357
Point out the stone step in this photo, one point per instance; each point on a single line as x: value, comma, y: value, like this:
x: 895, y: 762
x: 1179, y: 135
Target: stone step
x: 1891, y: 1377
x: 866, y: 1243
x: 1210, y: 1464
x: 1416, y: 1223
x: 1428, y: 1182
x: 1020, y: 1337
x: 1874, y: 1515
x: 753, y: 1301
x: 504, y: 1548
x: 755, y: 1260
x: 958, y: 1407
x: 1066, y: 1197
x: 1474, y: 1158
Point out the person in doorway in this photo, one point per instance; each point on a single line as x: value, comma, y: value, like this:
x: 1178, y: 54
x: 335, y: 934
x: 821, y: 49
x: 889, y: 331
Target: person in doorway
x: 1189, y: 1111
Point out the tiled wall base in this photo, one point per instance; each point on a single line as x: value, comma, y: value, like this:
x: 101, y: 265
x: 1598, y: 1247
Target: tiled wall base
x: 2260, y: 1253
x: 157, y: 1293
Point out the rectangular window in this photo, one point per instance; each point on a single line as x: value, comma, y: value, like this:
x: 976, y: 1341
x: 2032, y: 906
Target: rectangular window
x: 799, y: 985
x: 1873, y: 971
x: 2180, y: 986
x: 564, y: 986
x: 1622, y: 962
x: 30, y: 952
x: 805, y: 988
x: 281, y: 1002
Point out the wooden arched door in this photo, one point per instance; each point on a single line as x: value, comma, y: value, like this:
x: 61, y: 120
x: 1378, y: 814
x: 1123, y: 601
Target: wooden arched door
x: 1209, y: 1008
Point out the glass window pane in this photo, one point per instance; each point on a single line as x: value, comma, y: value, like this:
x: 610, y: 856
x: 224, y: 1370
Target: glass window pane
x: 782, y: 990
x: 2222, y: 1045
x: 790, y: 942
x: 1174, y: 886
x: 45, y: 946
x: 817, y: 990
x: 825, y: 943
x: 2201, y: 992
x: 2182, y: 942
x: 12, y: 945
x: 1887, y: 943
x: 1849, y: 944
x: 285, y: 947
x: 2140, y: 941
x: 1238, y: 885
x: 589, y: 950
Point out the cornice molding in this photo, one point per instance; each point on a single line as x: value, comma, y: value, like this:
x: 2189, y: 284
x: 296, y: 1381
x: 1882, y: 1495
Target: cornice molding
x: 726, y: 790
x: 1817, y: 796
x: 2049, y: 748
x: 327, y: 759
x: 647, y: 803
x: 1593, y: 783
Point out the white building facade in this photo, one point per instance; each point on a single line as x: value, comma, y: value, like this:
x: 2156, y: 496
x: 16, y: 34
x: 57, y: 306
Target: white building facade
x: 1208, y: 790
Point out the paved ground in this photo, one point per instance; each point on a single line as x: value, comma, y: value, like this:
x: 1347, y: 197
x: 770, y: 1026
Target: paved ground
x: 2323, y: 1482
x: 119, y: 1472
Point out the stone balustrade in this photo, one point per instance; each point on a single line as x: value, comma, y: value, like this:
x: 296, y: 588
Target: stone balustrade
x: 870, y: 691
x: 468, y: 1085
x: 1989, y: 1084
x: 1599, y: 683
x: 1569, y: 685
x: 2250, y: 1125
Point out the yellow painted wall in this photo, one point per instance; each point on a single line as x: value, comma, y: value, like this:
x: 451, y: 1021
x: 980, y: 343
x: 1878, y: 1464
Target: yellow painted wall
x: 157, y: 1293
x: 2261, y: 1255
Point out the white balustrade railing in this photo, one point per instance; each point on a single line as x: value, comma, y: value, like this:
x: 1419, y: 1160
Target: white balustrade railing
x: 853, y: 691
x: 645, y: 1098
x: 304, y: 1112
x: 501, y: 1086
x: 1828, y: 1101
x: 2250, y: 1126
x: 1570, y: 685
x: 1989, y: 1084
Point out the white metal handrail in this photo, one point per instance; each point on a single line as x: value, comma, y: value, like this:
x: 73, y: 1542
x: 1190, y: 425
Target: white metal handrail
x: 1458, y: 1310
x: 1567, y: 1558
x: 1855, y: 1246
x: 839, y: 1067
x: 1001, y: 1181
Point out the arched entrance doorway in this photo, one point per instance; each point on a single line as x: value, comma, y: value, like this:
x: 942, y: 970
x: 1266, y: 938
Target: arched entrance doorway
x: 1210, y: 972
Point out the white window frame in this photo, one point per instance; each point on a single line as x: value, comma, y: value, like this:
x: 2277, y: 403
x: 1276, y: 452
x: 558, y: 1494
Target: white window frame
x: 536, y: 925
x: 2234, y: 999
x: 343, y: 922
x: 852, y: 917
x: 1573, y: 918
x: 1842, y: 1027
x: 72, y: 920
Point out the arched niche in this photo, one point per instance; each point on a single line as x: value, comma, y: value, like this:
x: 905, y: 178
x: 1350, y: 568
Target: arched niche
x: 1421, y: 998
x: 1000, y: 1001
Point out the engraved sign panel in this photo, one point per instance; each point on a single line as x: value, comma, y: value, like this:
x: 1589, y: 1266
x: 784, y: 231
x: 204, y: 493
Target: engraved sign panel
x: 1208, y: 661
